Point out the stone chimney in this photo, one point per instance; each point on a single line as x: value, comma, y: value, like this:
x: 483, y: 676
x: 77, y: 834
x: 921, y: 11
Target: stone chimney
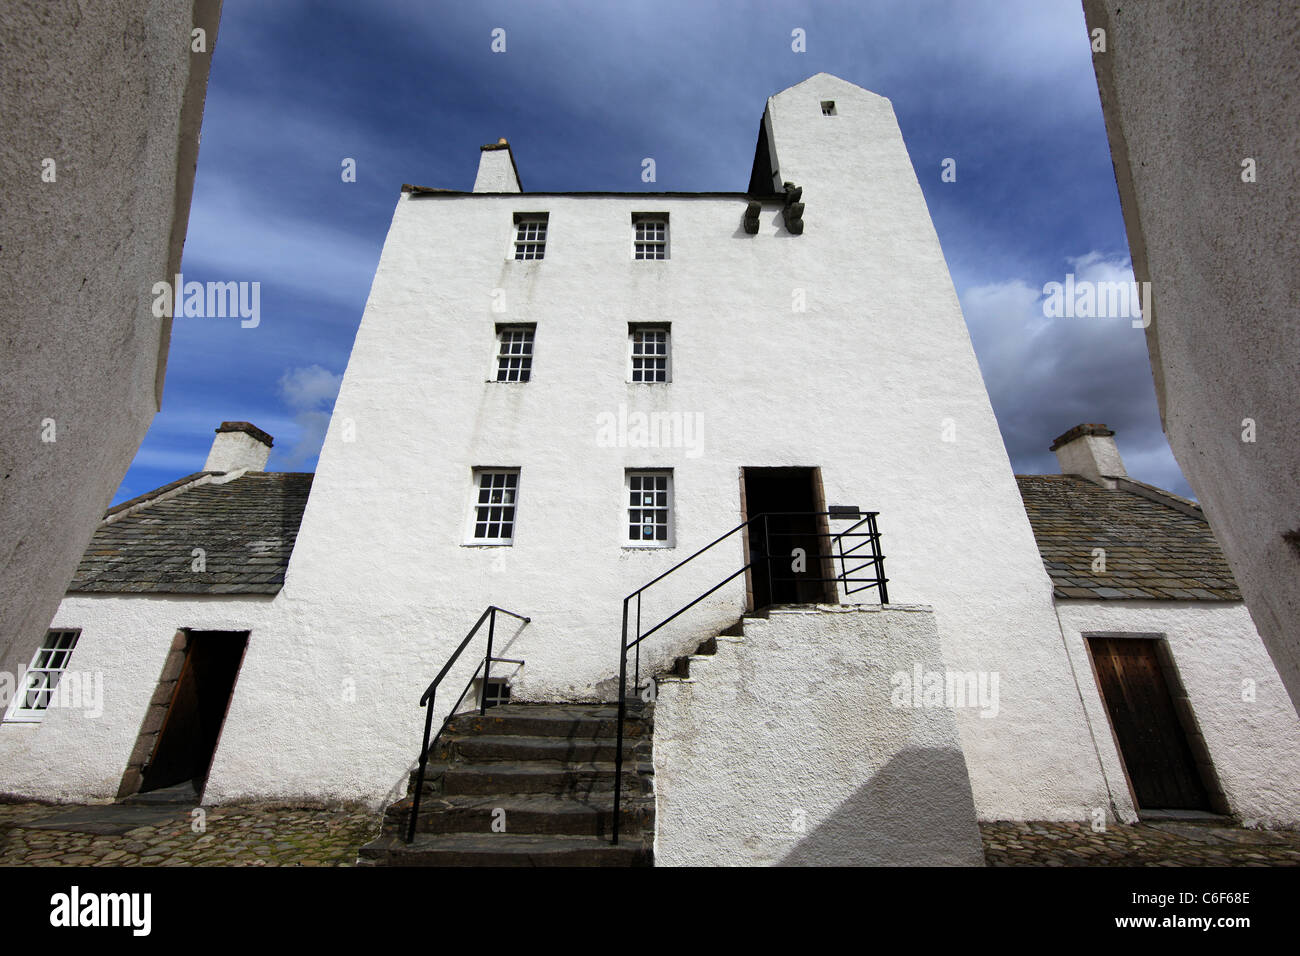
x: 496, y: 169
x: 239, y: 445
x: 1090, y: 451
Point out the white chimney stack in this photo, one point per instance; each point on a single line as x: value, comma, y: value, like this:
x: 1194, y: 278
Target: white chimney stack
x: 1090, y: 451
x: 496, y: 169
x: 239, y: 445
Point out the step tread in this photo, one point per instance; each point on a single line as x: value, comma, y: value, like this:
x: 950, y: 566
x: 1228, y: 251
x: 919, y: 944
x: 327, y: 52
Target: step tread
x: 568, y: 803
x: 506, y: 849
x: 472, y: 746
x: 544, y: 768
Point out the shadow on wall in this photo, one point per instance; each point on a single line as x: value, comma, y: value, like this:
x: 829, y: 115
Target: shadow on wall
x: 917, y: 811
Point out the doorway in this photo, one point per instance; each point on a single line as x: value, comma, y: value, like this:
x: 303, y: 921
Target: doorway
x: 1153, y: 743
x: 187, y: 740
x: 786, y: 548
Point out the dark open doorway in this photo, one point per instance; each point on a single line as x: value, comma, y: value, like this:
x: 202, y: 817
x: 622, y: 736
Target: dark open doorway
x: 187, y: 740
x: 1153, y: 743
x: 785, y: 548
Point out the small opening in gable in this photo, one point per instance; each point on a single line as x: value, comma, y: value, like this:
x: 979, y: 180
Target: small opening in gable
x: 828, y: 107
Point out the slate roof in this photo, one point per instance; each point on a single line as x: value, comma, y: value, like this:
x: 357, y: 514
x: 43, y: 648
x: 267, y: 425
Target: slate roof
x: 1154, y: 551
x: 246, y: 527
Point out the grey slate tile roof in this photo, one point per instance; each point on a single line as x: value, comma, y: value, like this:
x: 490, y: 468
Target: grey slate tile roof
x: 246, y: 527
x: 1153, y: 551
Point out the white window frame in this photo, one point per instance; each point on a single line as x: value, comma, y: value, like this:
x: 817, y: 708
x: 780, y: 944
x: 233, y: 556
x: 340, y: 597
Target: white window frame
x: 635, y: 328
x: 644, y: 245
x: 476, y: 502
x: 504, y: 330
x: 51, y: 658
x: 531, y: 230
x: 667, y: 508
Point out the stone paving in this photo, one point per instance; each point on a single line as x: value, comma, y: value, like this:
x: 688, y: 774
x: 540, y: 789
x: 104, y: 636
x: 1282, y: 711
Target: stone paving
x: 34, y: 834
x: 234, y: 835
x: 1174, y: 843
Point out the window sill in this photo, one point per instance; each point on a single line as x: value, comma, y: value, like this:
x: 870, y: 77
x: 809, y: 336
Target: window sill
x: 649, y: 547
x: 487, y: 544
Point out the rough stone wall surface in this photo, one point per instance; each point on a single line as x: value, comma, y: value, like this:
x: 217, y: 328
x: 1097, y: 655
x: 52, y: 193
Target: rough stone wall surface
x: 821, y: 767
x: 1190, y: 90
x: 110, y: 92
x: 1239, y: 704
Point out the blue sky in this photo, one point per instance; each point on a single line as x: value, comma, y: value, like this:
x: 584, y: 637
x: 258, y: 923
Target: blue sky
x: 584, y: 91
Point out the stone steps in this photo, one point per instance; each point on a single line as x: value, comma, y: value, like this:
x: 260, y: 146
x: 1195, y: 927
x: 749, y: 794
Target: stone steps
x: 589, y: 815
x: 528, y: 785
x: 519, y: 747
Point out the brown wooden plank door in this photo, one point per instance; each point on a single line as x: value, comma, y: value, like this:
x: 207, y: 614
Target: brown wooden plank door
x: 1152, y: 741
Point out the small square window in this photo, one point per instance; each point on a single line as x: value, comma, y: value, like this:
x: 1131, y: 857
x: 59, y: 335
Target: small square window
x: 828, y: 107
x: 530, y: 235
x: 650, y: 236
x: 649, y: 353
x: 649, y: 509
x: 496, y: 497
x: 496, y: 692
x: 33, y: 698
x: 515, y: 353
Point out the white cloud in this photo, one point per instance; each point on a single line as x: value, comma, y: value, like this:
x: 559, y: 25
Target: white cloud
x: 310, y: 391
x: 310, y: 387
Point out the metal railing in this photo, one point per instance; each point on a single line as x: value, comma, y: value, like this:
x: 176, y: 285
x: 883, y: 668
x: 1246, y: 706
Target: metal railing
x: 430, y: 694
x: 848, y: 576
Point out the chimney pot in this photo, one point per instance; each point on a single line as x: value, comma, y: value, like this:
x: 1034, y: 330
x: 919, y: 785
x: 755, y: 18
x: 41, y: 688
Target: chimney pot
x: 1089, y: 450
x: 239, y: 445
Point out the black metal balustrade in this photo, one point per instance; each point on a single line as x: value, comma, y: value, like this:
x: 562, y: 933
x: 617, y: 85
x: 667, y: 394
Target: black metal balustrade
x: 427, y: 701
x: 762, y: 528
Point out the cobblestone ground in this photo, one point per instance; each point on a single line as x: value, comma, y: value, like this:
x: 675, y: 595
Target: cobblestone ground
x: 279, y: 836
x: 233, y: 836
x: 1144, y: 844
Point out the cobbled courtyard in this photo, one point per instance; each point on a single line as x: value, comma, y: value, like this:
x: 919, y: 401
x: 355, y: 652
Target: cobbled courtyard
x: 33, y: 834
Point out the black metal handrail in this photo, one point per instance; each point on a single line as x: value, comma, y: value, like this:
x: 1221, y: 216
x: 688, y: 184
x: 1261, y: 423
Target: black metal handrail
x: 430, y: 695
x: 875, y: 559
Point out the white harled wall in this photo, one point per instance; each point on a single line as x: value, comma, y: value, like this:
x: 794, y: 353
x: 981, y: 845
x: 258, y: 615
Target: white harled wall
x: 1240, y: 704
x: 80, y: 751
x: 862, y: 384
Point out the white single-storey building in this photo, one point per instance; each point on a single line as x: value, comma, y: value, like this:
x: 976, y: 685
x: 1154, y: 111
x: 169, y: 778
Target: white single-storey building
x: 604, y: 411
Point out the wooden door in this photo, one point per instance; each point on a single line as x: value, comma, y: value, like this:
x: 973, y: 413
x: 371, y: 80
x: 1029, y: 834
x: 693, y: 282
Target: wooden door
x: 1152, y: 741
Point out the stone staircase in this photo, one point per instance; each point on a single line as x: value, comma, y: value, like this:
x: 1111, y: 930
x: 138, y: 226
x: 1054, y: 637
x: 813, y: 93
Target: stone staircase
x: 528, y: 785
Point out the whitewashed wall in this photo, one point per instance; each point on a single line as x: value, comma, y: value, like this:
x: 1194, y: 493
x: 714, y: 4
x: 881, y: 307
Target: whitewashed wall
x: 1253, y: 744
x: 71, y: 754
x: 822, y: 768
x: 863, y: 383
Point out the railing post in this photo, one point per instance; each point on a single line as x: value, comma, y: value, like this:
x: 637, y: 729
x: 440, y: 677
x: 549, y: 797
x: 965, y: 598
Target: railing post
x: 878, y: 559
x: 636, y: 674
x: 622, y: 710
x: 487, y: 663
x: 419, y: 779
